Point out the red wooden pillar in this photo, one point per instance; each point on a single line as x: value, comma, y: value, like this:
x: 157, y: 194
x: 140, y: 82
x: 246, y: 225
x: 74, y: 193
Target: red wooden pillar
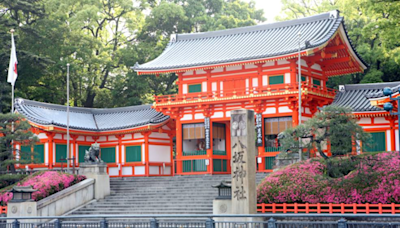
x: 74, y: 137
x: 209, y: 86
x: 228, y: 145
x: 119, y: 137
x: 179, y: 83
x: 50, y: 136
x: 178, y: 157
x: 146, y: 152
x: 393, y: 133
x: 210, y: 151
x: 293, y: 72
x: 171, y: 143
x: 260, y: 76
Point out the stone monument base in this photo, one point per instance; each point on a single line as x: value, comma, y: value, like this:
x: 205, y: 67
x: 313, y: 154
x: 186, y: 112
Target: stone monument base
x: 22, y: 209
x: 99, y: 173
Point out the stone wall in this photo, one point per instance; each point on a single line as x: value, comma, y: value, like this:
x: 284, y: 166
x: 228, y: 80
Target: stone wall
x: 67, y: 199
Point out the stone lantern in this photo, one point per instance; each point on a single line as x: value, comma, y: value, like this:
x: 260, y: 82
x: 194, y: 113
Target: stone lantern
x: 22, y: 193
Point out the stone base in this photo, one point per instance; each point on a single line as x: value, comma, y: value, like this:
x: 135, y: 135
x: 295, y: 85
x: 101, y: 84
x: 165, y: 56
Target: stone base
x: 99, y: 173
x: 22, y: 209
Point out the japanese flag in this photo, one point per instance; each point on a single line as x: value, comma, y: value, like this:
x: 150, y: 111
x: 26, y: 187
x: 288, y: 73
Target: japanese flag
x: 12, y: 69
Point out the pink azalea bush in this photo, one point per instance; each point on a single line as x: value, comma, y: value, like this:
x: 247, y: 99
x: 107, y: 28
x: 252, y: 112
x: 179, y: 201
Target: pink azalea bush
x: 47, y: 183
x: 375, y: 179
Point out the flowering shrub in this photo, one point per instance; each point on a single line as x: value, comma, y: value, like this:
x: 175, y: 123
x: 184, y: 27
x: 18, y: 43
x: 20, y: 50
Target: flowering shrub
x: 47, y: 183
x: 374, y: 179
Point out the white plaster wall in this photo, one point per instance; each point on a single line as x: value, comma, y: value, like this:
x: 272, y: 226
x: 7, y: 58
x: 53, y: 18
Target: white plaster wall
x: 159, y: 135
x: 127, y: 136
x: 167, y: 170
x: 89, y: 138
x: 187, y: 117
x: 42, y: 136
x: 216, y: 70
x: 46, y: 153
x: 364, y: 121
x: 231, y: 68
x: 198, y: 116
x: 188, y: 73
x: 80, y: 138
x: 388, y: 141
x: 284, y: 109
x: 250, y: 66
x: 380, y: 120
x: 112, y: 138
x: 113, y: 171
x: 140, y: 170
x: 316, y: 67
x: 127, y: 171
x: 144, y: 153
x: 184, y: 88
x: 154, y: 170
x: 269, y: 64
x: 287, y: 77
x: 397, y: 140
x: 269, y: 111
x: 137, y: 136
x: 255, y: 82
x: 265, y: 80
x: 123, y: 149
x: 283, y: 61
x: 204, y: 87
x: 58, y: 136
x: 308, y: 111
x: 214, y: 86
x: 218, y: 115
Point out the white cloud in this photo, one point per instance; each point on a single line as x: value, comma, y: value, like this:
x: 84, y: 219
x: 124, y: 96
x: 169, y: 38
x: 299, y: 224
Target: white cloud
x: 271, y: 8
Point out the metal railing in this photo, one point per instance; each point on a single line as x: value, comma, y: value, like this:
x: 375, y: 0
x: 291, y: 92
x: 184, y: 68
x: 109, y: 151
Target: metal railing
x: 328, y: 208
x: 204, y: 221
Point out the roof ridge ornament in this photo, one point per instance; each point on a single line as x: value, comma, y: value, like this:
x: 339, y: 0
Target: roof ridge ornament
x: 334, y: 14
x: 173, y: 38
x: 342, y: 88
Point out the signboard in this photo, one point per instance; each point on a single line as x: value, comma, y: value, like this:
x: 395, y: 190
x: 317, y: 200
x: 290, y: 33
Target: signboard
x: 259, y: 138
x: 207, y: 132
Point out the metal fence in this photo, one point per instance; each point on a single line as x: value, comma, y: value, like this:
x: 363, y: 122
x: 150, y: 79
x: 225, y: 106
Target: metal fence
x: 205, y: 221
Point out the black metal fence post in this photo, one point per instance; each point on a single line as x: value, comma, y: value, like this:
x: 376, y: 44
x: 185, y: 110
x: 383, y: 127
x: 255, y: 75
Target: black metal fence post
x: 271, y: 223
x: 209, y: 223
x: 104, y: 223
x: 342, y: 223
x: 15, y: 224
x: 153, y: 223
x: 57, y: 223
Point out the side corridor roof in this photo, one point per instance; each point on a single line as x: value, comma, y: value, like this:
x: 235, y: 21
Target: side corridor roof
x: 91, y: 119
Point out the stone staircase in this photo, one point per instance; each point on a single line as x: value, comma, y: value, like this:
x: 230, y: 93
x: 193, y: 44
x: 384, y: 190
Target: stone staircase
x: 159, y: 195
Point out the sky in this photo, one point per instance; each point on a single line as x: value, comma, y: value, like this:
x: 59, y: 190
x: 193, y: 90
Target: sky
x: 271, y: 8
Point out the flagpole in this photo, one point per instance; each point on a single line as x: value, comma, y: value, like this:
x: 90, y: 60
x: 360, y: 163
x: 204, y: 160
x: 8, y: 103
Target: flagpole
x: 300, y: 110
x: 13, y: 83
x: 68, y: 150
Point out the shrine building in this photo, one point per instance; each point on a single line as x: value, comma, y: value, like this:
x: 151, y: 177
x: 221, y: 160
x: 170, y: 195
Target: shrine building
x: 253, y: 67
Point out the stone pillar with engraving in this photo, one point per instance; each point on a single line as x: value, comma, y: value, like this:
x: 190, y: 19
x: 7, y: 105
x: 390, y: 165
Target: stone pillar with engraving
x: 243, y: 162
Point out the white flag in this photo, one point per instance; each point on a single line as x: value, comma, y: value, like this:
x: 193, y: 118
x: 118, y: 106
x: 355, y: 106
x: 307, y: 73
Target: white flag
x: 12, y: 69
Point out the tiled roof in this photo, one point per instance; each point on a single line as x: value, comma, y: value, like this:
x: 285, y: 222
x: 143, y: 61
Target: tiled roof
x: 357, y: 96
x: 245, y: 43
x: 91, y: 119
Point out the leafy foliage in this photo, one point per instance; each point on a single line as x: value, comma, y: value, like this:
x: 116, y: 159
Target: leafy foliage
x: 332, y: 124
x: 102, y: 40
x: 373, y: 28
x: 369, y: 179
x: 14, y: 130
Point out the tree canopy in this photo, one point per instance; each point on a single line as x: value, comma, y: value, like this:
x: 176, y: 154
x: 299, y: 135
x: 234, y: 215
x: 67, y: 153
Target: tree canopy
x: 103, y: 39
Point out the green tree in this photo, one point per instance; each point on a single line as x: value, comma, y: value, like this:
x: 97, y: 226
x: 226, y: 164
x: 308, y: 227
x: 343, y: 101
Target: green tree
x: 14, y: 130
x: 332, y: 124
x: 373, y: 28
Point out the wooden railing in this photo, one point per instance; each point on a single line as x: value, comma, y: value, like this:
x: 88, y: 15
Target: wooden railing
x: 226, y: 93
x: 3, y: 210
x: 330, y: 208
